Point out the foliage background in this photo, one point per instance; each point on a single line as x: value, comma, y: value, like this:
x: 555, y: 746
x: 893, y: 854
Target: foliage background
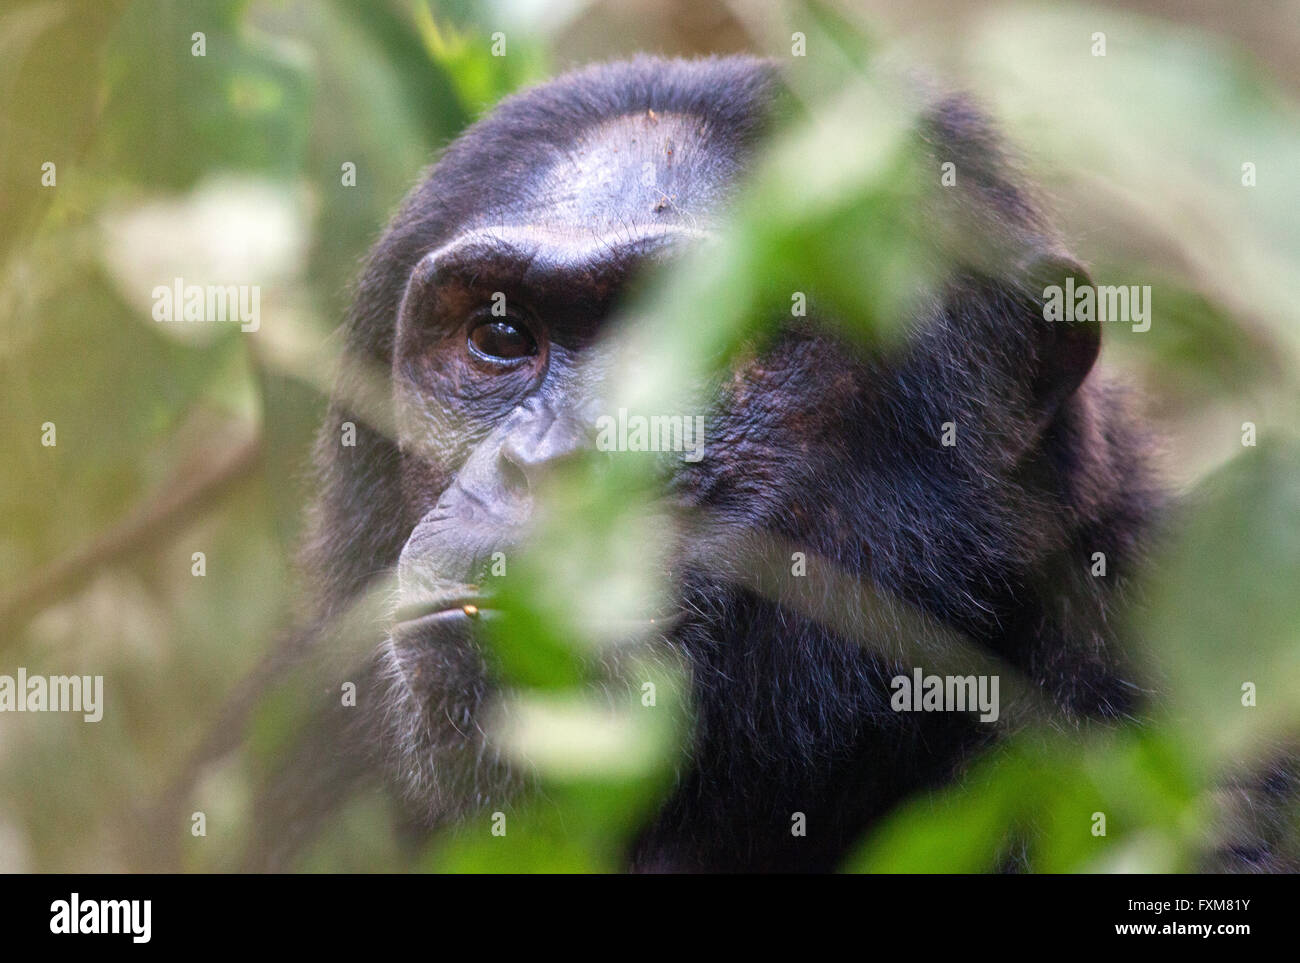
x: 178, y: 439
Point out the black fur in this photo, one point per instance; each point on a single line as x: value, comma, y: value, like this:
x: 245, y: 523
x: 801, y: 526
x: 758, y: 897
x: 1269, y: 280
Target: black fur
x: 825, y: 450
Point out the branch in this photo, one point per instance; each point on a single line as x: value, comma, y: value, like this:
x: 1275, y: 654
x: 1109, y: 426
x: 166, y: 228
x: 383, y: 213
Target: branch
x: 184, y: 499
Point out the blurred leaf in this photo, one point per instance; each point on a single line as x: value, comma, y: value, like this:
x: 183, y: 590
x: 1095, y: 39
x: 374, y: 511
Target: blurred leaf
x: 1157, y: 132
x: 170, y: 116
x: 958, y: 830
x: 45, y: 118
x: 1222, y: 609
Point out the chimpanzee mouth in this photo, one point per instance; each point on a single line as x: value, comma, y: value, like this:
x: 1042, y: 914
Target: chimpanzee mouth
x: 448, y: 608
x: 412, y: 617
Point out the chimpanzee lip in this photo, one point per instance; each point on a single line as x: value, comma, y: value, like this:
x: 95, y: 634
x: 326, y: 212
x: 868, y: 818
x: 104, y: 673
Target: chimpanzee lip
x: 427, y: 611
x: 464, y: 606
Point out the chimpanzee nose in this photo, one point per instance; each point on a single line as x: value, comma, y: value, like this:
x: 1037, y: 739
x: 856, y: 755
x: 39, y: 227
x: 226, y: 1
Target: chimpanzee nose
x: 537, y: 444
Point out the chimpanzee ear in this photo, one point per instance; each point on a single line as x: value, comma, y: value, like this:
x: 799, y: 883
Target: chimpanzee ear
x: 1065, y: 346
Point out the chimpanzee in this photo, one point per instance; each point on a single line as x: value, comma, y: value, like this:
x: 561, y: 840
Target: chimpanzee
x: 990, y: 534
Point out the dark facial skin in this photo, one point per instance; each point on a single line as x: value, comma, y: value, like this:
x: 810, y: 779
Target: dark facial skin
x: 498, y: 371
x: 552, y: 268
x: 557, y: 201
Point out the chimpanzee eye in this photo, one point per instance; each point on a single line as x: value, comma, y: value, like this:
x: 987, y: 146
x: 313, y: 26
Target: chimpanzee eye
x: 501, y: 340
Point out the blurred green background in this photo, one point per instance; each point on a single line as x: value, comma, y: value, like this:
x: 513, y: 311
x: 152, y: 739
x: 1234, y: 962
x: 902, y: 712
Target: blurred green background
x: 176, y: 439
